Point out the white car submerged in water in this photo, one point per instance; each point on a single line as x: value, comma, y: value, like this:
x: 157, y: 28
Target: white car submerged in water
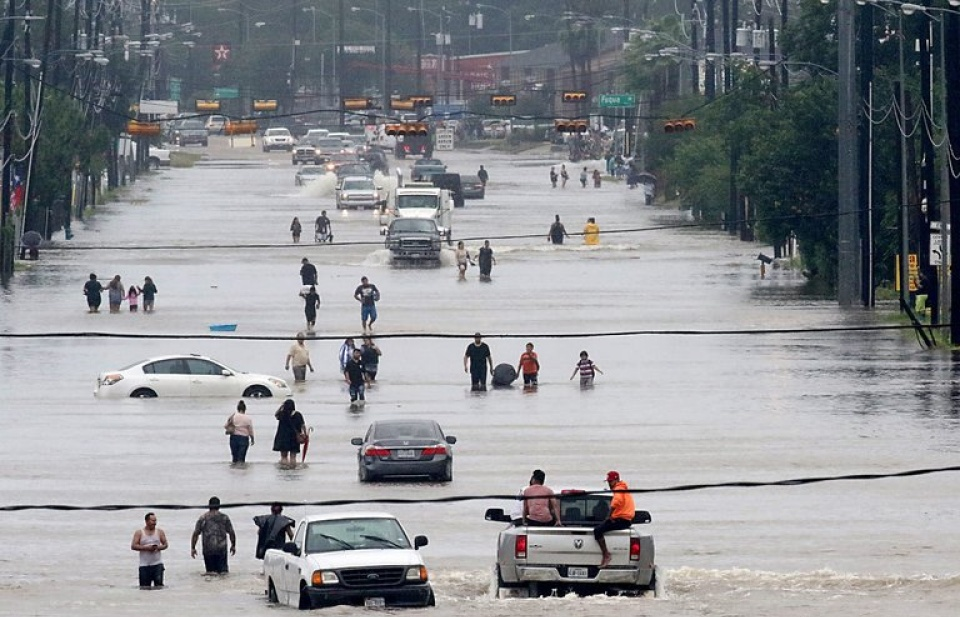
x: 186, y: 375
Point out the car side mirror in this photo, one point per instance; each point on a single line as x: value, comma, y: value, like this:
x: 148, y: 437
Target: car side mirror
x: 357, y: 441
x: 451, y: 439
x: 420, y: 541
x: 496, y: 515
x: 292, y: 548
x: 641, y: 517
x: 226, y: 373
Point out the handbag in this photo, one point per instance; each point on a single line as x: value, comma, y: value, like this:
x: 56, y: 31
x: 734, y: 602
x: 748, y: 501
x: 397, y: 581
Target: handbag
x: 230, y: 428
x: 302, y: 437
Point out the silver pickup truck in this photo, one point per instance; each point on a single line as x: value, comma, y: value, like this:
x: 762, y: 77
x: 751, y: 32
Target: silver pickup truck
x: 534, y: 561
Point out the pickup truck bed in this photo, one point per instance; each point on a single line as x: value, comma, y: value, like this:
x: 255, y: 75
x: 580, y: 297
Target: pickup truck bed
x: 536, y: 561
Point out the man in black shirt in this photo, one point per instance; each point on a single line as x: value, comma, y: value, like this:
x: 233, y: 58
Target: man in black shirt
x: 353, y: 374
x: 308, y: 272
x: 557, y: 231
x: 478, y: 355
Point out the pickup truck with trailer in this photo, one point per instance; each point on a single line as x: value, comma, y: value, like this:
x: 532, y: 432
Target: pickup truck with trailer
x: 353, y: 558
x: 534, y: 561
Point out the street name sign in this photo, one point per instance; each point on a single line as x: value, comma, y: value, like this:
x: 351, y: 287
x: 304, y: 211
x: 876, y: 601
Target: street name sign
x: 618, y: 100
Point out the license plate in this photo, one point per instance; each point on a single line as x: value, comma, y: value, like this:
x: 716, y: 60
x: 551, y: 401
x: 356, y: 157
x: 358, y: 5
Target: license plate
x: 406, y: 453
x: 577, y: 573
x: 374, y: 603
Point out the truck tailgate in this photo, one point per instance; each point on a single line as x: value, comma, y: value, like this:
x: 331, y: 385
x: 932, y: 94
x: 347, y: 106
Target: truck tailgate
x: 574, y: 546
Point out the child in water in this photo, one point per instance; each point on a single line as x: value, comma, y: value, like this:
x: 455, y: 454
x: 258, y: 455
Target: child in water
x: 133, y: 298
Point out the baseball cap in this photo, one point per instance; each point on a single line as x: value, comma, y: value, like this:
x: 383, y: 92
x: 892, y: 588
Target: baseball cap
x: 613, y: 476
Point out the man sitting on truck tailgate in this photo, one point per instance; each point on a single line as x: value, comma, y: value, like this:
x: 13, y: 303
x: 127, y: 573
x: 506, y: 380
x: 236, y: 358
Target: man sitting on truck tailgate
x: 620, y: 517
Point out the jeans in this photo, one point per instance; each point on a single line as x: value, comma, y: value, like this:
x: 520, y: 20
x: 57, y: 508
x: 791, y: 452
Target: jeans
x: 151, y: 575
x: 238, y: 448
x: 368, y: 312
x: 356, y: 391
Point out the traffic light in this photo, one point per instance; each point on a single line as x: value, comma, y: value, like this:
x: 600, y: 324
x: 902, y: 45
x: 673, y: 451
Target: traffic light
x: 563, y: 125
x: 503, y: 100
x: 207, y: 105
x: 574, y: 96
x: 679, y: 126
x: 408, y: 128
x: 421, y: 101
x: 401, y: 104
x: 143, y: 129
x: 240, y: 127
x: 357, y: 104
x: 265, y: 105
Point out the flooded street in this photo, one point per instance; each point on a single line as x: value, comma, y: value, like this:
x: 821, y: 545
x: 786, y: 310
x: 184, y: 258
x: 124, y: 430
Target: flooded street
x: 768, y: 399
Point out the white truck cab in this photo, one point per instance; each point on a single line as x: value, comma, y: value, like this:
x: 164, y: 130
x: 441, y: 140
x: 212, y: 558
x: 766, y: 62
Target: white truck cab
x: 420, y: 200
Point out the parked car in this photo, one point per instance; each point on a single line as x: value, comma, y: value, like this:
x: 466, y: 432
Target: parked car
x: 186, y: 375
x: 473, y: 188
x: 188, y: 132
x: 309, y: 173
x: 353, y: 558
x: 277, y: 138
x: 405, y: 447
x: 356, y: 192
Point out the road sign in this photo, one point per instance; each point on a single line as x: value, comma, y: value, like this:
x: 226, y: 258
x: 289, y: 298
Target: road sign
x: 226, y: 93
x: 618, y: 100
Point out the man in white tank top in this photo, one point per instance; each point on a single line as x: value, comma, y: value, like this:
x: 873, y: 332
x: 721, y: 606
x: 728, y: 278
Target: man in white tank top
x: 149, y: 541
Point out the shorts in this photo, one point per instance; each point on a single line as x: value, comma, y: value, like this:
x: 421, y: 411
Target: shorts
x: 611, y: 524
x: 216, y: 563
x: 299, y: 373
x: 530, y: 379
x: 371, y: 370
x: 586, y: 380
x: 368, y: 312
x: 151, y: 575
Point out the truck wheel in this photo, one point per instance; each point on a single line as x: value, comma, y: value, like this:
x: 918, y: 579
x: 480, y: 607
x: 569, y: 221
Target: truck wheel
x: 431, y: 599
x: 534, y: 590
x: 272, y: 597
x: 652, y: 588
x: 304, y: 602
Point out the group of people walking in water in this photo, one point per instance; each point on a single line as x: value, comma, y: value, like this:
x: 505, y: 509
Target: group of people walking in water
x: 585, y: 176
x: 117, y: 293
x: 292, y: 432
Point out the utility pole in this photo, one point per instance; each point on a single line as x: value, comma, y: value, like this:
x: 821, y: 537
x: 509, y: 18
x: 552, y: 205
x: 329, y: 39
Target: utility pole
x: 7, y: 234
x: 865, y: 158
x: 341, y: 69
x: 387, y: 55
x: 952, y: 78
x: 848, y: 198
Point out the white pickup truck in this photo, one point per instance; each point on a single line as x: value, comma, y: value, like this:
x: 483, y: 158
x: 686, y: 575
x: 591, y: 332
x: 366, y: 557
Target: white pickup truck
x: 354, y: 558
x: 420, y: 200
x: 535, y: 561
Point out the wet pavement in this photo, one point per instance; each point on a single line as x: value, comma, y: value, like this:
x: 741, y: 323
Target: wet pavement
x: 676, y: 404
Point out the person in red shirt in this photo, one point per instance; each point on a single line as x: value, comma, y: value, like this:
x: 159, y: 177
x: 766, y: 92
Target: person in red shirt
x: 529, y: 366
x: 620, y: 517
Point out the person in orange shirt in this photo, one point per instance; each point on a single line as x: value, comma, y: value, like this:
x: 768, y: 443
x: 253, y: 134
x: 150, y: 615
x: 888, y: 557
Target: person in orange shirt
x: 620, y: 517
x: 529, y: 366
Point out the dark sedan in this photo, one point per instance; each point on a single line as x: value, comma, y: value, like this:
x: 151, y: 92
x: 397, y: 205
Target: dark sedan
x: 405, y: 448
x: 472, y: 187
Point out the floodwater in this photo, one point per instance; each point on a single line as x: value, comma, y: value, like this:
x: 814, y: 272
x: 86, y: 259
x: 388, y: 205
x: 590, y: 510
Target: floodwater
x: 676, y: 404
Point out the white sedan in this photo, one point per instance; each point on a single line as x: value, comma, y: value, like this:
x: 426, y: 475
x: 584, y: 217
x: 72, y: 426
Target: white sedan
x: 186, y: 375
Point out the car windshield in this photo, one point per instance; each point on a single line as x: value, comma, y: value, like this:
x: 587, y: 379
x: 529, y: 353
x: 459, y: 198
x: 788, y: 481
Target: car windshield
x: 355, y: 534
x: 326, y: 142
x: 408, y: 430
x: 313, y: 170
x: 416, y: 201
x: 358, y: 185
x: 193, y: 125
x: 283, y: 132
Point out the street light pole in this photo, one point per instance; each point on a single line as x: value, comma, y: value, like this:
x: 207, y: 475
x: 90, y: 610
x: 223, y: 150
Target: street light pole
x: 509, y: 22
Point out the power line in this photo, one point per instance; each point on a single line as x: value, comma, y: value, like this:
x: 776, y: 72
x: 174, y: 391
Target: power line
x: 681, y: 488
